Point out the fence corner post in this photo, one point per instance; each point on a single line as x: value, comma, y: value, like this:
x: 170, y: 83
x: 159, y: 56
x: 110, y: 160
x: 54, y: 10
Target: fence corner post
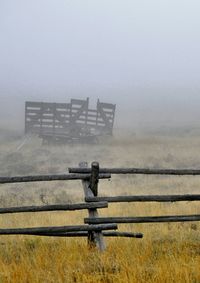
x: 94, y: 179
x: 90, y: 190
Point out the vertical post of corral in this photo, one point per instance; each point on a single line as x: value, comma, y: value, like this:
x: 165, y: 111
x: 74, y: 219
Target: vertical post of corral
x: 41, y: 117
x: 86, y: 111
x: 54, y: 118
x: 90, y: 190
x: 97, y: 116
x: 26, y: 126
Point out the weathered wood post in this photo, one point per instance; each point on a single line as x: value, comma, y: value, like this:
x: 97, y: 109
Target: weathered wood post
x: 90, y: 190
x: 94, y: 180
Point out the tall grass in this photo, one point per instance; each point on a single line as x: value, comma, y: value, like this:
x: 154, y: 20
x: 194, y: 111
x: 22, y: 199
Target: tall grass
x: 168, y: 253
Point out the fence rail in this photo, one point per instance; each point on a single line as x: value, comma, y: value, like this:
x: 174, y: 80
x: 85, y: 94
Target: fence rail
x: 145, y: 198
x: 47, y: 178
x: 53, y: 229
x: 143, y: 219
x: 146, y: 171
x: 85, y: 234
x: 55, y: 207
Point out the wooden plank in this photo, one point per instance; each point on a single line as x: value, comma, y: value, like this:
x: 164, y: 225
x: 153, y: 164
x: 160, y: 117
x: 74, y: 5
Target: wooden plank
x: 107, y: 105
x: 53, y: 229
x: 91, y: 115
x: 33, y: 111
x: 78, y: 101
x: 92, y: 111
x: 83, y: 119
x: 33, y: 116
x: 90, y: 121
x: 37, y: 111
x: 39, y: 178
x: 60, y: 106
x: 147, y: 171
x: 85, y: 234
x: 95, y: 124
x: 50, y: 123
x: 51, y: 105
x: 48, y: 118
x: 54, y: 207
x: 144, y: 219
x: 33, y: 104
x: 146, y: 198
x: 122, y: 234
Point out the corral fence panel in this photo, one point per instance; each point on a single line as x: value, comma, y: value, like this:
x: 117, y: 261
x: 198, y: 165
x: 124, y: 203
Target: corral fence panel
x: 74, y: 118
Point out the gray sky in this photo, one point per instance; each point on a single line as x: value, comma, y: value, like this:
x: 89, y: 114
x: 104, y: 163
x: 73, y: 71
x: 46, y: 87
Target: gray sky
x: 144, y: 52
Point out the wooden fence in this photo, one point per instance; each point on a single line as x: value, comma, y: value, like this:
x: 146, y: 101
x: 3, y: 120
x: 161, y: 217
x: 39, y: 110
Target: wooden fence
x: 95, y: 227
x: 141, y: 198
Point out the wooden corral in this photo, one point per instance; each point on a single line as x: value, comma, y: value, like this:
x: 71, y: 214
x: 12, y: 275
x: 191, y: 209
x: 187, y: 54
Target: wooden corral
x: 69, y: 122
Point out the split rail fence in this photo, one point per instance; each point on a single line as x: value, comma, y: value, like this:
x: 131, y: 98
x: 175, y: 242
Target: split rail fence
x: 95, y: 227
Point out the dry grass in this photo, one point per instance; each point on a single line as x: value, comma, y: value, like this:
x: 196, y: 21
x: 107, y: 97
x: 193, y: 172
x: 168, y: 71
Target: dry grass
x: 167, y: 253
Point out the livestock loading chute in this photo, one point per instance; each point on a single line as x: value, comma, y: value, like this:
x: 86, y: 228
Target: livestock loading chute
x: 69, y: 122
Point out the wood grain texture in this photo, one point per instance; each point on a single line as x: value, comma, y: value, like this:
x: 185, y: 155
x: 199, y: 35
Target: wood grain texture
x: 53, y: 229
x: 147, y: 171
x: 55, y: 207
x: 145, y: 198
x: 144, y: 219
x: 40, y: 178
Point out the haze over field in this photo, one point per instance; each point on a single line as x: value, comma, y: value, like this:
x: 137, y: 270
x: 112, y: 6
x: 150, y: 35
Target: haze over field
x: 141, y: 55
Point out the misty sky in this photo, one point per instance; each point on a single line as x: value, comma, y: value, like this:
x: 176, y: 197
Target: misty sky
x: 145, y: 52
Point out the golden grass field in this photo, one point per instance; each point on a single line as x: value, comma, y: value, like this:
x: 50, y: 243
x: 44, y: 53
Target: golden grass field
x: 167, y: 253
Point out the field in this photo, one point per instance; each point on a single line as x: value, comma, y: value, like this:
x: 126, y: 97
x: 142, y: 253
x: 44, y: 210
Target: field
x: 167, y: 253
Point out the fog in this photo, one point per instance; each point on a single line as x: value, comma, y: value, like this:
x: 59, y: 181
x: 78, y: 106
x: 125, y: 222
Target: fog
x: 142, y: 55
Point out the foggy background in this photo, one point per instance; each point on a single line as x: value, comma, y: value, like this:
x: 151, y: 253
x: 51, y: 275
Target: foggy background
x: 142, y: 55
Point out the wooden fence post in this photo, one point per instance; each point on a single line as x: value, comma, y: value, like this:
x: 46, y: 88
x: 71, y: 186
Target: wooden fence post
x: 94, y: 179
x: 91, y: 190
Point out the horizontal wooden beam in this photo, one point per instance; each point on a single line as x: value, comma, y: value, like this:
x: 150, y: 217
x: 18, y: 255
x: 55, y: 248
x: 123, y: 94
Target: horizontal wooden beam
x: 63, y: 234
x: 85, y: 234
x: 143, y: 219
x: 146, y: 198
x: 61, y: 229
x: 147, y: 171
x: 122, y: 234
x: 39, y: 178
x: 54, y: 207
